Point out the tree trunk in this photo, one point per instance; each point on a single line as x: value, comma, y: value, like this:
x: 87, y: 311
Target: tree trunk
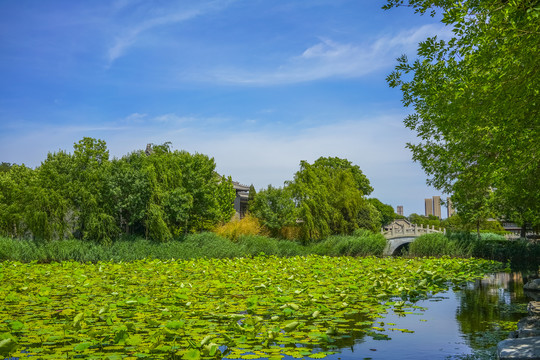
x: 523, y: 233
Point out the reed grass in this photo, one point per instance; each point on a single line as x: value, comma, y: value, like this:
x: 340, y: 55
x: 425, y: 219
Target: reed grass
x: 359, y: 244
x: 436, y: 244
x: 212, y: 245
x: 207, y: 244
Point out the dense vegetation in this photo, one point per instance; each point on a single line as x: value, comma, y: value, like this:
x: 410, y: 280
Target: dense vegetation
x: 162, y: 194
x: 192, y: 246
x: 520, y: 253
x: 263, y: 307
x: 324, y: 198
x: 475, y: 106
x: 158, y: 194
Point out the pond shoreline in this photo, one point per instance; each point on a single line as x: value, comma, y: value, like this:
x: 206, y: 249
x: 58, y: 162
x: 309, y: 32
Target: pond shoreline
x: 524, y: 344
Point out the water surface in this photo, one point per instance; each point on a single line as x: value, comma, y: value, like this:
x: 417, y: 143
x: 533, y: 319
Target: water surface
x: 462, y: 323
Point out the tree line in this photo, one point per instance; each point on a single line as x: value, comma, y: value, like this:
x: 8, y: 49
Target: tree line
x: 162, y: 194
x: 158, y: 194
x: 328, y: 197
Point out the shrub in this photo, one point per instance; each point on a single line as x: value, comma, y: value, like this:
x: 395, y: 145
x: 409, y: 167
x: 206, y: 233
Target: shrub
x: 436, y: 244
x: 256, y: 244
x: 249, y: 225
x: 210, y: 245
x: 489, y: 236
x: 291, y: 232
x: 361, y: 243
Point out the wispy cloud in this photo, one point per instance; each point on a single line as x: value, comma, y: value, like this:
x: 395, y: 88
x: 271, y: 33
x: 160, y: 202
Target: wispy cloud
x: 138, y: 119
x: 129, y: 35
x: 332, y: 59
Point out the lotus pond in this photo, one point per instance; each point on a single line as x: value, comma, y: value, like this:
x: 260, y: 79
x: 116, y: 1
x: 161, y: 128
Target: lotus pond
x: 247, y: 308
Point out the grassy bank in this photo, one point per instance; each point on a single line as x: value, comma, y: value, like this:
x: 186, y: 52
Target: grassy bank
x: 211, y: 245
x: 203, y: 245
x: 488, y: 246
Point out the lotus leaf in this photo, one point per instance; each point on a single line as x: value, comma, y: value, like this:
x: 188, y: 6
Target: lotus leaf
x: 261, y: 307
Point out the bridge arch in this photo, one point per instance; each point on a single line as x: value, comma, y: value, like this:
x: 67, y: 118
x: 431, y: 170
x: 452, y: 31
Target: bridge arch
x: 400, y: 233
x: 395, y: 245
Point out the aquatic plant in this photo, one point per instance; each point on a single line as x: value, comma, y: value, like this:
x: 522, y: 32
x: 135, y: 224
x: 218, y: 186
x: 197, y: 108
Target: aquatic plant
x: 261, y: 307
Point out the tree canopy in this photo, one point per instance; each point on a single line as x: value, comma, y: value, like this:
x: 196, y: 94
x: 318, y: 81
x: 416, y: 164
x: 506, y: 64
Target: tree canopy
x: 162, y: 194
x: 329, y: 195
x: 159, y: 194
x: 476, y: 105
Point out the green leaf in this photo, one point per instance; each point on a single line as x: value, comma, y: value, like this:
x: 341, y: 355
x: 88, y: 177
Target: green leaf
x: 192, y: 354
x: 16, y: 326
x: 7, y: 346
x: 291, y: 326
x: 82, y: 346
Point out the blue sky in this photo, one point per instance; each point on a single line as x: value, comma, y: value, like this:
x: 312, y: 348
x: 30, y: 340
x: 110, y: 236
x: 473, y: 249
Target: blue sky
x: 257, y: 85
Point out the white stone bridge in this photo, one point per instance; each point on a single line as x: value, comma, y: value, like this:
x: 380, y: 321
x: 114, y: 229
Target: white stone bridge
x: 400, y: 233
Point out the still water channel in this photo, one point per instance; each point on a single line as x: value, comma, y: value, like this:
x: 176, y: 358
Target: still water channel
x: 462, y: 323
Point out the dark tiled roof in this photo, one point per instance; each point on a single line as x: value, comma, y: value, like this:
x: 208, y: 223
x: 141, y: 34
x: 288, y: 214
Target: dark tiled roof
x: 239, y: 187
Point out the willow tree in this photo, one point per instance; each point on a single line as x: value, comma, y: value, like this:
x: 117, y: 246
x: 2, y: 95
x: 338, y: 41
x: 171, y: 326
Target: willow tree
x: 329, y: 195
x: 476, y: 103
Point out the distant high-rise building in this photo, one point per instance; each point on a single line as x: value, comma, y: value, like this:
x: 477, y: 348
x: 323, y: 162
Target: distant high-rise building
x: 449, y: 209
x: 437, y: 206
x: 429, y: 206
x: 400, y: 210
x: 433, y: 206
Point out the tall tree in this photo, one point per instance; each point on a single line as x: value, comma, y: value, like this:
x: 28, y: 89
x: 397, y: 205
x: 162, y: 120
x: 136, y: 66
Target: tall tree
x: 275, y: 208
x: 475, y: 100
x: 252, y: 195
x: 329, y: 195
x: 387, y: 211
x: 225, y: 195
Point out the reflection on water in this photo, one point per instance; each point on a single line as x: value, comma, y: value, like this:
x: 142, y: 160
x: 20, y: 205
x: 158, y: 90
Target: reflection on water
x: 464, y: 323
x: 490, y: 307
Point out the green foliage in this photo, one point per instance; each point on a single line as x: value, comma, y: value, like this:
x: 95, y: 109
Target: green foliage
x: 457, y: 223
x: 275, y: 208
x: 5, y: 166
x: 329, y: 197
x: 387, y: 211
x: 362, y: 243
x: 225, y: 195
x: 426, y: 221
x: 475, y: 100
x: 85, y: 195
x: 496, y: 247
x: 157, y: 228
x: 435, y: 244
x: 101, y: 228
x: 172, y: 309
x: 253, y: 245
x: 368, y: 217
x: 252, y: 195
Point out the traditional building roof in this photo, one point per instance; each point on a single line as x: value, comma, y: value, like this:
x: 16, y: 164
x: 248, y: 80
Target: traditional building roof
x: 239, y: 187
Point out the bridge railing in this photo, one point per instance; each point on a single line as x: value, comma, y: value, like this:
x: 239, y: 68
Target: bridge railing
x: 414, y: 230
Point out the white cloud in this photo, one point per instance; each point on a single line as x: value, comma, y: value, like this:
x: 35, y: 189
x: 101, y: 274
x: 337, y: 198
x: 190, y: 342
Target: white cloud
x: 135, y: 118
x: 129, y: 35
x: 172, y: 118
x: 330, y: 59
